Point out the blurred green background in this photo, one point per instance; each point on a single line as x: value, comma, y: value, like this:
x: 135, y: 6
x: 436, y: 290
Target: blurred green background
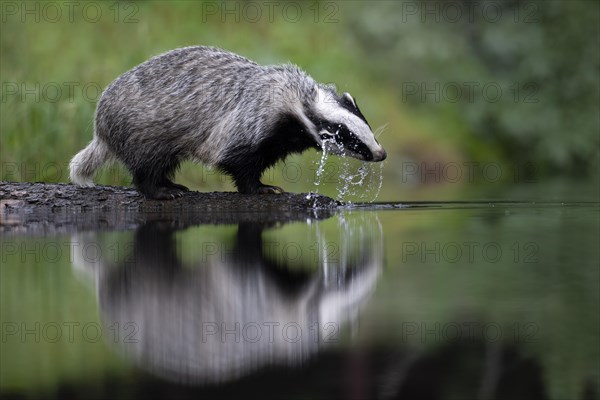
x: 469, y: 93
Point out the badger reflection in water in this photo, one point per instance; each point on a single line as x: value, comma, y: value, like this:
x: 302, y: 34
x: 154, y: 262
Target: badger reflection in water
x: 237, y: 311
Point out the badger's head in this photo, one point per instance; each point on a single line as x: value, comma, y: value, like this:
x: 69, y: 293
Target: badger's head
x: 342, y: 129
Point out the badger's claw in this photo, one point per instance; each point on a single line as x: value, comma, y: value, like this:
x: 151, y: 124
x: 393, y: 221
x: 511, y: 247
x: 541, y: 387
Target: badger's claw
x: 182, y: 189
x: 167, y: 193
x: 269, y: 189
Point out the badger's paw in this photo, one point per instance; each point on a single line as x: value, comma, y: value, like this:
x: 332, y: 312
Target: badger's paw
x: 176, y: 186
x: 168, y: 192
x: 269, y: 189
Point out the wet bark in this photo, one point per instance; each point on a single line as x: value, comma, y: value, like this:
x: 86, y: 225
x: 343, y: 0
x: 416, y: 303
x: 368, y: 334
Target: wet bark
x: 44, y: 208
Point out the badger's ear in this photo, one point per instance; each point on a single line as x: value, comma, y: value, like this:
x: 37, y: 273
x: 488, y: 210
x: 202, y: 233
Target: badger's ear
x: 348, y: 99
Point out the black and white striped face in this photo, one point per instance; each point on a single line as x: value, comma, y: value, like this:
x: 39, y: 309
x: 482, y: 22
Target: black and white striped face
x: 343, y: 129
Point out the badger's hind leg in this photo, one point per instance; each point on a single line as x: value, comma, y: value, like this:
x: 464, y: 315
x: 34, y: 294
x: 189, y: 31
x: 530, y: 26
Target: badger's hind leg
x: 161, y: 189
x: 154, y: 181
x: 177, y: 186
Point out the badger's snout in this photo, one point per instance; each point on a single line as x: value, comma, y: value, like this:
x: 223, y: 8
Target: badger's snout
x: 376, y: 155
x: 379, y: 155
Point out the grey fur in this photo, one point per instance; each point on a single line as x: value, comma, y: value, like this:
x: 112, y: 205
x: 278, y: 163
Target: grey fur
x: 220, y: 109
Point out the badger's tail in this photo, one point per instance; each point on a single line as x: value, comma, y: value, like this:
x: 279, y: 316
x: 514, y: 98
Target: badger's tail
x: 85, y: 163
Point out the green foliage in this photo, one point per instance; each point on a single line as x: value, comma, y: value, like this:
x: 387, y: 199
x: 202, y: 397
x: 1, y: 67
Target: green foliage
x: 523, y: 77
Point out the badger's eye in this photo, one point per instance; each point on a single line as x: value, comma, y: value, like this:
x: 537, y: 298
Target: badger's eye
x: 330, y: 129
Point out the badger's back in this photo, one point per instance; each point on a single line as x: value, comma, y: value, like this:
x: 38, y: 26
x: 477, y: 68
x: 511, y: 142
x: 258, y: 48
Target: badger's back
x: 198, y: 101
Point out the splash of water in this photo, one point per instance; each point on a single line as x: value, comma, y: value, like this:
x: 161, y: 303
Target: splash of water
x: 380, y: 184
x: 363, y: 183
x: 324, y: 154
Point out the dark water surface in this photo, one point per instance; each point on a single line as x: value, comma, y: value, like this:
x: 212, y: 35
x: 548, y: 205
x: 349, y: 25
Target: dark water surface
x: 449, y: 300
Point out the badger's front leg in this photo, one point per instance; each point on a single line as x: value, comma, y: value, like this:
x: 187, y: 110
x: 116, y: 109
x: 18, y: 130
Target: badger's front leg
x: 256, y: 187
x: 266, y: 189
x: 247, y: 179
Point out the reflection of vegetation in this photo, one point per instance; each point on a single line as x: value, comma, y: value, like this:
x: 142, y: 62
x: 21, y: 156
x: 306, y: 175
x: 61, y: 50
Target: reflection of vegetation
x: 547, y: 309
x: 542, y: 292
x: 37, y: 286
x: 41, y: 129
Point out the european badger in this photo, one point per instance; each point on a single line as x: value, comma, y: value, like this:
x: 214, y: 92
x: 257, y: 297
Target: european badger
x: 213, y: 106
